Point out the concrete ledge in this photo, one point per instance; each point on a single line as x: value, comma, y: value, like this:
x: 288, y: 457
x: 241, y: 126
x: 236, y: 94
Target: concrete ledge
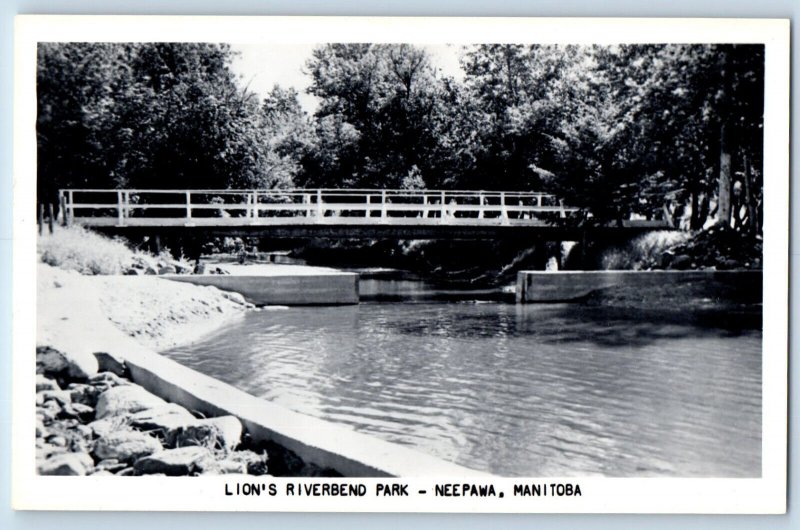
x: 306, y: 289
x: 320, y: 442
x: 740, y: 287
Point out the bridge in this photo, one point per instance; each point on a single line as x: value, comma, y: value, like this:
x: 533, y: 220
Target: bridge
x: 334, y: 213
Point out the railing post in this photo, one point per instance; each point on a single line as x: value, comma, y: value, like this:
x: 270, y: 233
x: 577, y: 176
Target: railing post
x: 561, y: 205
x: 480, y: 211
x: 503, y: 210
x: 443, y: 208
x: 188, y: 204
x: 63, y: 202
x: 383, y: 206
x: 320, y: 211
x: 254, y: 207
x: 126, y: 197
x: 71, y: 209
x: 120, y: 218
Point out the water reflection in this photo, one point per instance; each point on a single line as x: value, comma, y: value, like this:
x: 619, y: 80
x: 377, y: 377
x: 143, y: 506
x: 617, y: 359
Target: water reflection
x: 515, y: 390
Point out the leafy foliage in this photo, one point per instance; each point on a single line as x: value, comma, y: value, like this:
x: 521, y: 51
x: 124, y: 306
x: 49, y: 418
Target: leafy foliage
x: 652, y: 131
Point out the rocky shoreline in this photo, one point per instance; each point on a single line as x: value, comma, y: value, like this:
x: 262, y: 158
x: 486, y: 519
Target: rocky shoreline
x: 92, y: 419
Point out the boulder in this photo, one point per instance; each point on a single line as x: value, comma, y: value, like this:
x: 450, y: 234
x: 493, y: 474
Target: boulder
x: 175, y: 462
x: 132, y: 271
x: 126, y: 399
x: 164, y: 418
x: 75, y: 363
x: 67, y: 464
x: 125, y: 446
x: 62, y: 397
x: 83, y: 393
x: 41, y: 431
x: 681, y: 262
x: 45, y: 383
x: 223, y: 432
x: 109, y: 362
x: 167, y: 269
x: 84, y: 412
x: 106, y: 426
x: 110, y: 464
x: 254, y: 463
x: 108, y: 379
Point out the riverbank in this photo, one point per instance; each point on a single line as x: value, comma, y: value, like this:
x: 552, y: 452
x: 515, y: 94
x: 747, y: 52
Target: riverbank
x: 91, y: 416
x: 86, y: 322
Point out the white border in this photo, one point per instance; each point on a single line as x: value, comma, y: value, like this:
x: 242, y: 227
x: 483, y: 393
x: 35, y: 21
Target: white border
x: 764, y: 495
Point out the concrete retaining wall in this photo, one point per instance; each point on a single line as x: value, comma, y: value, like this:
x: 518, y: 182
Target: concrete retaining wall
x: 723, y: 287
x: 320, y: 442
x: 307, y: 289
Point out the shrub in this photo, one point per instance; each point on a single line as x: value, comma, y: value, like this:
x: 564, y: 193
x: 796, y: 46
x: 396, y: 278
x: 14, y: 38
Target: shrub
x: 643, y: 252
x: 78, y: 249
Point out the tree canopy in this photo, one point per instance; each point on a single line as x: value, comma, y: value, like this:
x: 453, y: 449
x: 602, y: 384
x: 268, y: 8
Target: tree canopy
x: 648, y: 130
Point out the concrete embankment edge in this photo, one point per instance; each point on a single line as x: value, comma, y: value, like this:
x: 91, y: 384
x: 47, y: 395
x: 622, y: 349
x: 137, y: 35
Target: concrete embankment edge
x: 307, y: 289
x: 317, y: 441
x: 743, y: 287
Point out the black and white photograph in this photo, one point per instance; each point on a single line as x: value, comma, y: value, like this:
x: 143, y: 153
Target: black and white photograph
x: 307, y: 264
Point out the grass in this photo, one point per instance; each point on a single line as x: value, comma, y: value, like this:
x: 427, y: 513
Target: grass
x: 78, y: 249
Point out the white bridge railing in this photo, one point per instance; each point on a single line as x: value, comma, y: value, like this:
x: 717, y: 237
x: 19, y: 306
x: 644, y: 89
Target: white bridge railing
x: 129, y: 207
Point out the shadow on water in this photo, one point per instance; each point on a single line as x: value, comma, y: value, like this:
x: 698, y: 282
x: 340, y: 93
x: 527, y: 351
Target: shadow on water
x: 571, y: 322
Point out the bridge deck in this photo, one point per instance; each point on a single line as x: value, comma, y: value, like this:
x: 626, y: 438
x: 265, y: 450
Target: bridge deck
x: 326, y: 213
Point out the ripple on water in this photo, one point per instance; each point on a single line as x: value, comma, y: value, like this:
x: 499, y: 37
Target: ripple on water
x: 514, y: 390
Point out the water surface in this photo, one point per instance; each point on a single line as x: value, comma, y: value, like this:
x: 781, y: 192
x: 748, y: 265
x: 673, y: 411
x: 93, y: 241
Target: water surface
x: 516, y: 390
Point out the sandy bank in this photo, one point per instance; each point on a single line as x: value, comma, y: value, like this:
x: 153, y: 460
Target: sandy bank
x: 157, y: 313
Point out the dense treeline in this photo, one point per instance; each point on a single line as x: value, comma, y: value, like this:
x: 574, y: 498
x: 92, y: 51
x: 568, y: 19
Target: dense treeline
x: 656, y: 130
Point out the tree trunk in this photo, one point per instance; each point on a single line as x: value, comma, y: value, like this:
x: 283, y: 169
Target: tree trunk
x: 752, y: 220
x: 724, y: 194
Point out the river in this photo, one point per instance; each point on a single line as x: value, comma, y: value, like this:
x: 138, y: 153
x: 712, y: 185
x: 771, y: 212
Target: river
x: 516, y: 390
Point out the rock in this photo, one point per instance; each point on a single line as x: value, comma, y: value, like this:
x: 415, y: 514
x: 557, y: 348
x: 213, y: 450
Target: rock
x: 109, y: 379
x: 62, y: 397
x: 44, y: 383
x: 223, y: 432
x: 51, y: 408
x: 84, y: 412
x: 126, y: 399
x: 681, y: 262
x: 48, y: 415
x: 85, y: 431
x: 106, y: 426
x: 110, y: 464
x: 167, y: 269
x: 101, y: 473
x: 228, y: 467
x: 83, y: 393
x: 125, y: 446
x: 108, y: 362
x: 254, y: 463
x: 174, y: 462
x: 75, y: 363
x: 164, y: 418
x: 56, y: 440
x: 132, y: 271
x: 67, y: 464
x: 41, y: 431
